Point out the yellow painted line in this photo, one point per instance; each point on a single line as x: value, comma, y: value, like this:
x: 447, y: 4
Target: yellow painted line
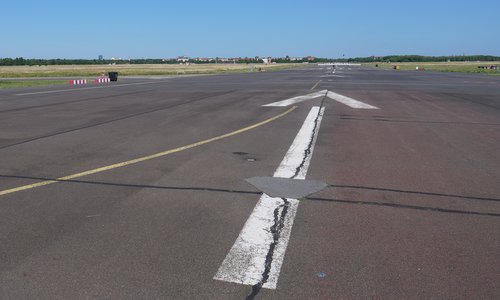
x: 314, y: 86
x: 141, y: 159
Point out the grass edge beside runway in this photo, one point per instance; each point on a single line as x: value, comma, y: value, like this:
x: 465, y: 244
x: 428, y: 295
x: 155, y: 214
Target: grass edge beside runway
x: 5, y: 84
x: 136, y: 70
x: 455, y: 67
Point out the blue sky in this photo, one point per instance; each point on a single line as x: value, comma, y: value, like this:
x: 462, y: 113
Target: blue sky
x: 160, y: 29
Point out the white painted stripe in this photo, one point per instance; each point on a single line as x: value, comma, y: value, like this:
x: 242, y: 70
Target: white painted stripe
x: 245, y: 262
x: 298, y: 99
x: 295, y: 155
x: 332, y: 76
x: 349, y: 101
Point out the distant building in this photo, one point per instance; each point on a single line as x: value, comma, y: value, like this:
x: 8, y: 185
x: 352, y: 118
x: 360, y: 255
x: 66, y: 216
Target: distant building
x: 267, y: 60
x: 101, y: 57
x: 205, y: 59
x: 183, y: 59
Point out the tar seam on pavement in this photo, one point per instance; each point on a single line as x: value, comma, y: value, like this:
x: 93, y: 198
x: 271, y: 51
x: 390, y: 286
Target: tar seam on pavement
x: 155, y: 109
x: 395, y: 205
x: 307, y: 152
x: 412, y: 192
x: 222, y: 190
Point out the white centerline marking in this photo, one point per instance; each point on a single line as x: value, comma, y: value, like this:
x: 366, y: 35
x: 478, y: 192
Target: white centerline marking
x: 298, y: 99
x: 89, y: 88
x: 257, y: 255
x: 340, y: 76
x: 349, y: 101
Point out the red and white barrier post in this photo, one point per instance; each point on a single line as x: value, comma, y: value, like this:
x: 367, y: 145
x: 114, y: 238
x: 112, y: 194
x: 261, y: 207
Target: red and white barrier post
x: 102, y: 80
x: 77, y: 81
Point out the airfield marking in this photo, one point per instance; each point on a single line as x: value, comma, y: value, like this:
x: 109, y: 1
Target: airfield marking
x: 341, y: 76
x: 90, y: 88
x: 297, y: 99
x: 314, y: 86
x: 141, y: 159
x: 353, y: 103
x: 257, y: 255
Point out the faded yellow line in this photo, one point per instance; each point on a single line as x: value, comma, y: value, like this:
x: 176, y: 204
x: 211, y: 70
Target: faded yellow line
x: 141, y: 159
x: 314, y: 86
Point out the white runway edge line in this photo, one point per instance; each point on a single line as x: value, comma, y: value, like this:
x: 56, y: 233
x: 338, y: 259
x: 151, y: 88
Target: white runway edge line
x: 349, y: 101
x: 257, y: 255
x: 298, y: 99
x: 90, y: 88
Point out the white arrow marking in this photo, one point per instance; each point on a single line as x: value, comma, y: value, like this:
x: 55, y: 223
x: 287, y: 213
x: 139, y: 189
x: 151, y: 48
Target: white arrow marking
x: 298, y: 99
x: 353, y: 103
x: 349, y: 101
x: 257, y: 255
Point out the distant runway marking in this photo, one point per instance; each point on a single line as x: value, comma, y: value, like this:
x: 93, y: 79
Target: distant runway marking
x: 314, y: 86
x: 349, y: 101
x: 257, y: 255
x: 90, y: 88
x: 333, y: 76
x: 141, y: 159
x: 298, y: 99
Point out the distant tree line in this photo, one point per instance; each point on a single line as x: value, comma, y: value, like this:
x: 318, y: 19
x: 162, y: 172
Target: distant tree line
x: 420, y: 58
x: 19, y: 61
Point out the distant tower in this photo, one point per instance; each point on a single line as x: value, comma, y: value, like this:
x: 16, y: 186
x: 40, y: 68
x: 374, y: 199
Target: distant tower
x: 101, y: 57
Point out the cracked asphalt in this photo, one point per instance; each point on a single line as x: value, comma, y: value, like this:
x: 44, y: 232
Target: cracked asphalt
x: 411, y: 211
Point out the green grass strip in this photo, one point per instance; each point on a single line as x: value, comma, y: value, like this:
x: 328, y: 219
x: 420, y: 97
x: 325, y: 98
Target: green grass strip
x: 28, y: 83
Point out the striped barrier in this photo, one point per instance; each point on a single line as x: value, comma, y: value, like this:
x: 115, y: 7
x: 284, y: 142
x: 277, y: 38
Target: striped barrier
x: 78, y: 81
x: 102, y: 80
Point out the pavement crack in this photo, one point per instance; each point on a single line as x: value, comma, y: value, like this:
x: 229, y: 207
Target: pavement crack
x: 72, y: 102
x: 137, y: 185
x: 121, y: 118
x: 307, y: 152
x: 276, y: 228
x: 423, y: 193
x: 407, y: 206
x: 279, y: 219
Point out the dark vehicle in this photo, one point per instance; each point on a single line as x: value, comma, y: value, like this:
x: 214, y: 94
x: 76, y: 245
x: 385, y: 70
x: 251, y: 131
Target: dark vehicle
x: 113, y: 76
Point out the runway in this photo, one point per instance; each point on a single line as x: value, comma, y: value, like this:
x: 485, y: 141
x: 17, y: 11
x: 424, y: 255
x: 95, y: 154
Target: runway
x: 136, y: 189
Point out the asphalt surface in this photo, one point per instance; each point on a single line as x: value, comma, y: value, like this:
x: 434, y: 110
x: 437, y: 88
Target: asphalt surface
x: 411, y: 211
